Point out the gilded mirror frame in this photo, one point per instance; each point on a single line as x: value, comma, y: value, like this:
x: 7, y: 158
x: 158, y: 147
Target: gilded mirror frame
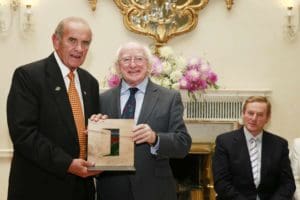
x: 160, y: 19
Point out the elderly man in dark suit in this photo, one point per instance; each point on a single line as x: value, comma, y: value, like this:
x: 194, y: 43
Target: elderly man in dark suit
x: 159, y: 134
x: 47, y: 130
x: 251, y: 163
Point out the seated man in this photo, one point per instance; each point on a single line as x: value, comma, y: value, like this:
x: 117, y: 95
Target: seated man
x: 295, y: 160
x: 251, y: 163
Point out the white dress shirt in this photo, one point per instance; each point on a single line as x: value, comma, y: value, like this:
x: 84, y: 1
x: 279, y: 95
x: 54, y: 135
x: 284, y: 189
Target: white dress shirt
x: 65, y: 71
x: 258, y: 139
x: 139, y: 98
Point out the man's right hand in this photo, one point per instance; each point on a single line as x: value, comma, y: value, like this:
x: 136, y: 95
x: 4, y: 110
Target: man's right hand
x: 79, y: 167
x: 98, y: 117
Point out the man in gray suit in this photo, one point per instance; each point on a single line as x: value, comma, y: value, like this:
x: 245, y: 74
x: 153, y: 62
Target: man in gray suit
x: 159, y: 134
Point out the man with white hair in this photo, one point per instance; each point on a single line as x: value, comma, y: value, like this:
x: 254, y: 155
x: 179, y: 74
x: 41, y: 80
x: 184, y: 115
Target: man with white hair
x: 159, y: 133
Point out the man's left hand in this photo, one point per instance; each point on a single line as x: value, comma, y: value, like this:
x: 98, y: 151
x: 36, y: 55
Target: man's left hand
x: 143, y: 133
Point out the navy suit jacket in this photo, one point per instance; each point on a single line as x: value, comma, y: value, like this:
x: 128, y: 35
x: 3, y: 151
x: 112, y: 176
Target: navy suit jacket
x: 233, y: 179
x: 44, y: 135
x: 162, y: 109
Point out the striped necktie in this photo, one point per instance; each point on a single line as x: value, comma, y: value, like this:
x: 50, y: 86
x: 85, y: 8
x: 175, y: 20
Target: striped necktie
x: 254, y: 159
x: 78, y: 115
x: 129, y: 108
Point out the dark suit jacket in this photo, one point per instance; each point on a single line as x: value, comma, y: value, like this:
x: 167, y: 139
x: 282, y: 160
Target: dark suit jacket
x: 44, y: 135
x: 162, y: 109
x: 233, y: 174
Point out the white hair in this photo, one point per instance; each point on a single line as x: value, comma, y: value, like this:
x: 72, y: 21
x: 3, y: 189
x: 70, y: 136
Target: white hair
x: 135, y: 45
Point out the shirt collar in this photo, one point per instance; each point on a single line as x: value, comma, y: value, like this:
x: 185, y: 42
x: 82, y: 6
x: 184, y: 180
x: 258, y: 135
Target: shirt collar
x: 142, y: 86
x: 248, y: 135
x: 63, y: 68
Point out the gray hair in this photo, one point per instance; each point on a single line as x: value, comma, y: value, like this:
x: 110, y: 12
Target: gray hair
x: 59, y: 31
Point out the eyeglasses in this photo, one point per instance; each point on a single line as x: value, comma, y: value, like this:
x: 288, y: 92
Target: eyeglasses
x: 137, y: 60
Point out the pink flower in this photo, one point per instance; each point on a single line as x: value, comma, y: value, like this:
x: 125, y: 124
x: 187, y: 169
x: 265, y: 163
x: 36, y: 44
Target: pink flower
x: 113, y: 80
x: 194, y: 63
x: 183, y: 83
x: 197, y: 85
x: 203, y: 84
x: 192, y: 75
x: 212, y: 77
x: 157, y: 66
x: 204, y: 75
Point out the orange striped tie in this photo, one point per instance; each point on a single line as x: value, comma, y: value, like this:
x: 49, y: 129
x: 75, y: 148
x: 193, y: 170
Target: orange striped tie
x: 78, y: 115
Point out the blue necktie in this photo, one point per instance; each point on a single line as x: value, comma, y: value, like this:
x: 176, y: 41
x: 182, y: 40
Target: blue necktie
x: 129, y: 108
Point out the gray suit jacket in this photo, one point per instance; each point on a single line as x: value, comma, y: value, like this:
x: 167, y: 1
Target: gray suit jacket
x: 162, y: 109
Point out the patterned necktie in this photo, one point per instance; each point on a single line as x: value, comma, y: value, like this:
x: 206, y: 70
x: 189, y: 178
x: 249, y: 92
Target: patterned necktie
x: 78, y: 115
x: 129, y: 108
x: 254, y: 159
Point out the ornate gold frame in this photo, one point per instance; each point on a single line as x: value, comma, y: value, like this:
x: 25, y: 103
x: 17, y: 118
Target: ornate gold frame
x: 164, y: 29
x: 173, y: 18
x: 93, y: 4
x: 229, y: 4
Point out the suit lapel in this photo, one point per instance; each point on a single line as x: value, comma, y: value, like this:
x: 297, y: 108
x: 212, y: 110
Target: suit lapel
x: 150, y: 99
x: 58, y: 89
x: 266, y: 149
x: 116, y: 110
x: 85, y: 94
x: 242, y: 149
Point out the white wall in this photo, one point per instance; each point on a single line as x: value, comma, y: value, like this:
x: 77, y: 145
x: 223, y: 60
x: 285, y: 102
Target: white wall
x: 246, y: 47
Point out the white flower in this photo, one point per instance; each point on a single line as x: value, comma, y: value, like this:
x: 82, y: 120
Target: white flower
x: 180, y: 63
x: 166, y: 83
x: 175, y: 75
x: 166, y: 51
x: 194, y: 61
x: 175, y: 86
x: 167, y: 68
x: 155, y: 80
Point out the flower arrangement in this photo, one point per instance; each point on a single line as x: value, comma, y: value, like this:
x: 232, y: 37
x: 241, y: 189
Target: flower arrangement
x: 194, y: 75
x: 175, y: 72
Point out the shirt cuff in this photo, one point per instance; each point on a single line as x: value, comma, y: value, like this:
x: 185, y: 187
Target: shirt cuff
x: 155, y: 146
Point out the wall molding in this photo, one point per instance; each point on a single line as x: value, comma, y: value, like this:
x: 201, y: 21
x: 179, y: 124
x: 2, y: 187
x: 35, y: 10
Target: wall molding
x: 244, y: 93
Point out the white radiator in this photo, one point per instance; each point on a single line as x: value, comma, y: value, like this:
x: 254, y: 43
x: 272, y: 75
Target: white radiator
x: 218, y: 105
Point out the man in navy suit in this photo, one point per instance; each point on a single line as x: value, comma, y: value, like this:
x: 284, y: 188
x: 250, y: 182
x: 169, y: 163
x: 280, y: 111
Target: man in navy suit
x: 159, y: 134
x: 251, y: 163
x: 46, y: 163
